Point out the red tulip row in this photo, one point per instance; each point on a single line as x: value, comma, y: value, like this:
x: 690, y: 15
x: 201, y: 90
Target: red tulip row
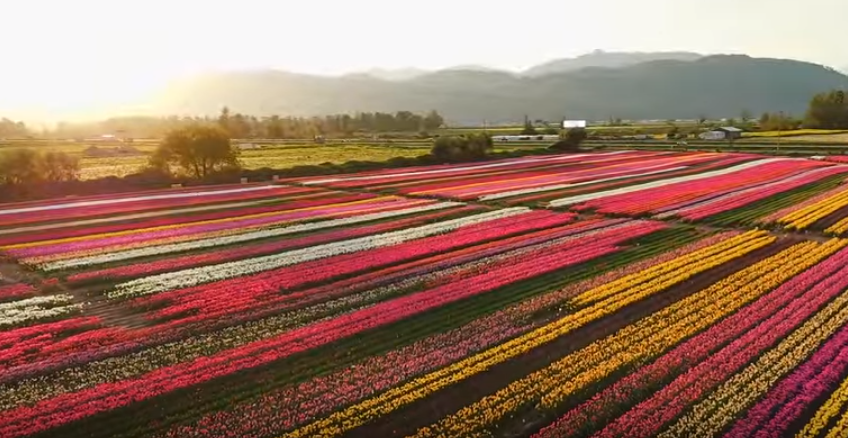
x: 284, y: 203
x: 108, y: 206
x: 749, y: 196
x: 233, y: 224
x: 69, y: 407
x: 15, y: 291
x: 580, y: 170
x: 429, y: 173
x: 725, y: 161
x: 112, y: 340
x: 682, y: 193
x: 785, y: 402
x: 264, y: 285
x: 751, y: 330
x: 291, y: 406
x: 219, y: 256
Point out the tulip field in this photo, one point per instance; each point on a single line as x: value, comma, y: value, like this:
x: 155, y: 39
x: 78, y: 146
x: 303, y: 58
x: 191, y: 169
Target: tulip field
x: 610, y: 294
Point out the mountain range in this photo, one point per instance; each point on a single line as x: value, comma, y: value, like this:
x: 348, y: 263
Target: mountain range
x: 711, y: 86
x: 597, y: 58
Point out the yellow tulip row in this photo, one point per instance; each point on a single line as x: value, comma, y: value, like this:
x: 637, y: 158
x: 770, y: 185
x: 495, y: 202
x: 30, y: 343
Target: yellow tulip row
x: 840, y: 429
x: 809, y: 215
x: 724, y: 405
x: 606, y: 300
x: 838, y: 228
x: 828, y: 411
x: 633, y: 344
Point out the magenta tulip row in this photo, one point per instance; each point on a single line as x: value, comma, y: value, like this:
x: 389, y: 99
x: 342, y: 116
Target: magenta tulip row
x: 786, y: 402
x: 294, y: 405
x: 15, y: 291
x: 280, y: 204
x: 592, y: 168
x: 208, y: 297
x: 463, y: 171
x: 69, y: 407
x: 749, y: 196
x: 219, y: 256
x: 111, y: 204
x: 662, y: 167
x: 205, y: 299
x: 680, y: 194
x: 751, y: 330
x: 236, y: 223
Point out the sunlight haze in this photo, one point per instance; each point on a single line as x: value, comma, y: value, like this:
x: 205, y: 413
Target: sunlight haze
x: 65, y: 57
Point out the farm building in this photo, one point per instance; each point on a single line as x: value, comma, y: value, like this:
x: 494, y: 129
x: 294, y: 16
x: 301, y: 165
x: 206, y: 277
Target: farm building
x: 723, y: 133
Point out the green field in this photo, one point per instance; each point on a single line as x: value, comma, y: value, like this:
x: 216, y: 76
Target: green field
x: 274, y: 156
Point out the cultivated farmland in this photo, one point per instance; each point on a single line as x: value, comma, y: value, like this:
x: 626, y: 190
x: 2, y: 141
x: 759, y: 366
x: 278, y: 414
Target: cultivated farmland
x: 615, y: 294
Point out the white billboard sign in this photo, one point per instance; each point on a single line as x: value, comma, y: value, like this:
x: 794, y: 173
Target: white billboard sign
x: 567, y: 124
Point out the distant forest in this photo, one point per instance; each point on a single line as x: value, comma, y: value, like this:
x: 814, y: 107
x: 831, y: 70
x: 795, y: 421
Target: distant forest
x: 240, y: 125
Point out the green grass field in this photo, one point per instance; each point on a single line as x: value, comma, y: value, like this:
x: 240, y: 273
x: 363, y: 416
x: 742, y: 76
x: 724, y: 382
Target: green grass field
x: 275, y: 157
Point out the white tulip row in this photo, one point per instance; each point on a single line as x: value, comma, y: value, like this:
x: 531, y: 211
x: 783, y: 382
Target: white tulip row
x: 460, y: 169
x: 207, y: 274
x: 134, y: 199
x: 35, y: 308
x: 233, y: 239
x: 654, y: 184
x: 566, y: 186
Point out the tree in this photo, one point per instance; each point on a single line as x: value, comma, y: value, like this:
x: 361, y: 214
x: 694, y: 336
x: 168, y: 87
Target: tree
x: 529, y: 129
x: 571, y: 141
x: 198, y: 150
x: 457, y: 148
x: 746, y: 116
x: 827, y: 111
x: 28, y: 167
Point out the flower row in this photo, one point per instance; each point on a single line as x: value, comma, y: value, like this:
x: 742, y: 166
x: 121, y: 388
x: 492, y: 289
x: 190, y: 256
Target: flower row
x: 596, y: 303
x: 636, y: 342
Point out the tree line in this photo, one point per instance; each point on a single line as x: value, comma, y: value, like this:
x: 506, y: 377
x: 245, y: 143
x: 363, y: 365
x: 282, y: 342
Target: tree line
x: 244, y: 126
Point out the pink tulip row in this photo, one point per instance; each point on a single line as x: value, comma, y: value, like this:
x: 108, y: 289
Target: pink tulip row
x: 842, y: 159
x: 135, y: 206
x: 219, y: 256
x: 683, y: 193
x: 495, y: 184
x: 765, y: 174
x: 17, y: 342
x: 785, y: 402
x: 724, y: 161
x: 312, y: 306
x: 15, y: 291
x: 281, y: 204
x: 754, y: 328
x: 113, y: 341
x: 801, y: 205
x: 749, y: 196
x: 294, y: 405
x: 564, y: 172
x: 236, y: 223
x: 204, y: 298
x: 208, y: 303
x: 69, y: 407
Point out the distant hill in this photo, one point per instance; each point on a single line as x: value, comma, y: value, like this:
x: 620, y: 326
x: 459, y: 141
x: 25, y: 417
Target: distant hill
x: 600, y: 58
x: 400, y: 74
x: 714, y: 86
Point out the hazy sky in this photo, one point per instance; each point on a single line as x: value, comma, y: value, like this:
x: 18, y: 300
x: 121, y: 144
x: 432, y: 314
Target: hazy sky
x: 65, y: 54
